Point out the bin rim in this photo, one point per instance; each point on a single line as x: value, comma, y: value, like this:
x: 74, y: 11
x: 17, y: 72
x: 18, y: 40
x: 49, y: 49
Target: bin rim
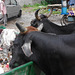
x: 24, y: 65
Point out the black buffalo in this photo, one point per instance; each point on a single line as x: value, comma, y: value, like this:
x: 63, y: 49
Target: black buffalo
x: 49, y: 27
x: 53, y: 54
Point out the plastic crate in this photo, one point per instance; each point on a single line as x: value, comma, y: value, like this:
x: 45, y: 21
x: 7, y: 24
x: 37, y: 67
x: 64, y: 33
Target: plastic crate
x: 26, y: 69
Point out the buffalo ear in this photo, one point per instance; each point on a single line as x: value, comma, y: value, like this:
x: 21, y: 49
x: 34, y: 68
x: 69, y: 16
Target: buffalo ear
x: 40, y: 27
x: 27, y: 48
x: 51, y: 10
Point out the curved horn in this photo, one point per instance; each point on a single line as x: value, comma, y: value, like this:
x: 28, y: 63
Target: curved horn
x: 50, y: 13
x: 36, y: 14
x: 21, y: 28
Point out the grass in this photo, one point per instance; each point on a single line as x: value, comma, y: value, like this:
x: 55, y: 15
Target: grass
x: 32, y: 8
x: 56, y: 12
x: 35, y: 5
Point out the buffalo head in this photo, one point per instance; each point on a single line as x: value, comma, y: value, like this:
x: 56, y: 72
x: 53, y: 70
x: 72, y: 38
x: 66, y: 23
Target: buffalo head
x: 18, y: 55
x: 38, y: 19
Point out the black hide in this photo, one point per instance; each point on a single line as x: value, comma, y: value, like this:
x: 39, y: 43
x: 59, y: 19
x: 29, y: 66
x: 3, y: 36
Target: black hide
x: 54, y: 54
x: 49, y: 27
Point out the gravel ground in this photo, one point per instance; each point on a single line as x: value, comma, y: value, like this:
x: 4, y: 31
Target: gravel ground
x: 26, y: 18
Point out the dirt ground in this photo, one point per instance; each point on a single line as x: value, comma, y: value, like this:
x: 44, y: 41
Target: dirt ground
x: 26, y: 18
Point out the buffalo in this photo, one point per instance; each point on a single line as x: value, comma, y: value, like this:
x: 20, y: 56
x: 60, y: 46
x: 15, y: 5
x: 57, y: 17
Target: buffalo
x: 49, y: 27
x: 53, y: 54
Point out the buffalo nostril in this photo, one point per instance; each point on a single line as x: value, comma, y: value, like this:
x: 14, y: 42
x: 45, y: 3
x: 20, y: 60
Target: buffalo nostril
x: 10, y: 65
x: 13, y: 65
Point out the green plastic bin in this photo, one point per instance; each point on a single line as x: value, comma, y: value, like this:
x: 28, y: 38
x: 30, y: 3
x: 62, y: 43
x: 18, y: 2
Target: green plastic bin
x: 26, y: 69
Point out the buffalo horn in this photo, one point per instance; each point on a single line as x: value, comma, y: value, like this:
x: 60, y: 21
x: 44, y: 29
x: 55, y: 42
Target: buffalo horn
x: 50, y: 13
x: 21, y: 28
x: 36, y: 14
